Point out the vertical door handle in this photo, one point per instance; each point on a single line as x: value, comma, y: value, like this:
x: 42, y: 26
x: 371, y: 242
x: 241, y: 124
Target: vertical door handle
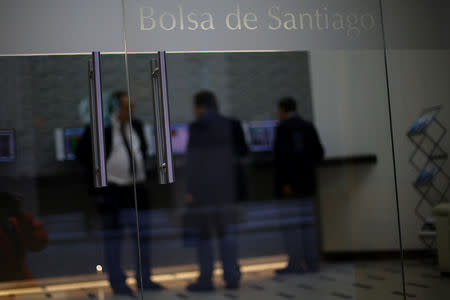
x: 162, y: 119
x: 97, y: 128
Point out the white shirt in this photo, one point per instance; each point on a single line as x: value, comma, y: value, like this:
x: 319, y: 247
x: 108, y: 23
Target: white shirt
x: 118, y: 163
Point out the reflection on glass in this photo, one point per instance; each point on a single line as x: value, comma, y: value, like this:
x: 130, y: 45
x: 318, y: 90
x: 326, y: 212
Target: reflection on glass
x: 20, y: 233
x: 57, y: 237
x: 251, y: 185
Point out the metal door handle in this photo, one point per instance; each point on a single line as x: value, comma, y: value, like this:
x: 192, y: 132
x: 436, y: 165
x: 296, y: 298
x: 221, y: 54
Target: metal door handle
x: 161, y: 112
x: 97, y: 128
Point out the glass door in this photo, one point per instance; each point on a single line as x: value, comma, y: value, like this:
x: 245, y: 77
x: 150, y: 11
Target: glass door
x: 418, y: 77
x: 228, y: 208
x: 68, y: 217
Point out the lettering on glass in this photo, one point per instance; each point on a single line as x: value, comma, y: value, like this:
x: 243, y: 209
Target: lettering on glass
x: 179, y: 20
x: 275, y: 18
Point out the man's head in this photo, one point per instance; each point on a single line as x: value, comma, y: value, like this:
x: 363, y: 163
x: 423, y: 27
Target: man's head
x: 204, y: 102
x: 124, y: 105
x: 286, y: 107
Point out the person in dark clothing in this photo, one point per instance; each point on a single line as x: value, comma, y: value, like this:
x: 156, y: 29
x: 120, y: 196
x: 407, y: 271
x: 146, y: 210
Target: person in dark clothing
x: 20, y: 233
x: 298, y: 151
x: 118, y: 196
x: 215, y: 183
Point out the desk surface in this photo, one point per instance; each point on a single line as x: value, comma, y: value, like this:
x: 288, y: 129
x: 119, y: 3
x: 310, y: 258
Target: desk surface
x: 353, y: 159
x: 262, y: 159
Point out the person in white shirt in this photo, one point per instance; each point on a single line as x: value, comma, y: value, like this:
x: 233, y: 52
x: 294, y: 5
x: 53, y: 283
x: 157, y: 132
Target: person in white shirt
x: 126, y: 159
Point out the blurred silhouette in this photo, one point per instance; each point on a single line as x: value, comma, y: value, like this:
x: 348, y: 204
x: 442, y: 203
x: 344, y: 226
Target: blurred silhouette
x: 117, y: 199
x: 215, y: 183
x: 19, y: 234
x: 297, y: 152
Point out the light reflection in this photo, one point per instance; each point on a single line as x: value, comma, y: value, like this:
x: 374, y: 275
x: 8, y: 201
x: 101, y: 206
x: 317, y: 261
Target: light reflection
x: 132, y: 281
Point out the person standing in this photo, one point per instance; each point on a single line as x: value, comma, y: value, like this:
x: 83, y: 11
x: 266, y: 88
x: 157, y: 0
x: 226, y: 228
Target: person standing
x: 298, y: 151
x: 215, y: 181
x: 125, y: 162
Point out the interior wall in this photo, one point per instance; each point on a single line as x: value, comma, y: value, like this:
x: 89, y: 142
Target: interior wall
x: 357, y: 203
x: 42, y: 93
x: 351, y: 111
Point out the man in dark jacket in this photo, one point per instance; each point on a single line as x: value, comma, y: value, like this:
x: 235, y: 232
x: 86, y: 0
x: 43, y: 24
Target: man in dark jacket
x: 215, y: 183
x: 125, y: 163
x: 297, y: 153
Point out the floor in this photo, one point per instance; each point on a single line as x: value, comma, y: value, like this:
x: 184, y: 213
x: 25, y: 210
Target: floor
x: 363, y: 280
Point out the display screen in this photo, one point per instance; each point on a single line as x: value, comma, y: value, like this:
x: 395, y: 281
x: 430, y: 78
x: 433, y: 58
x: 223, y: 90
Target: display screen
x: 7, y: 145
x: 180, y: 138
x: 261, y: 135
x: 72, y: 137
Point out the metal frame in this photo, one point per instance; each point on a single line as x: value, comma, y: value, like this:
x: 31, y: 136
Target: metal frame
x: 436, y: 157
x: 161, y: 112
x: 97, y: 127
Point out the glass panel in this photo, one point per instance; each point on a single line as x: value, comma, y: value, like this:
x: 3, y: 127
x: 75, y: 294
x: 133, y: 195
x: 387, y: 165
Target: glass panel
x: 60, y: 26
x: 418, y: 76
x: 246, y: 210
x: 251, y: 197
x: 61, y: 237
x: 270, y: 201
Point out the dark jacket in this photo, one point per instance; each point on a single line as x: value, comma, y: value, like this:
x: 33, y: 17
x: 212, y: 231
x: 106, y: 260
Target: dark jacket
x: 215, y: 175
x: 84, y: 149
x: 297, y: 152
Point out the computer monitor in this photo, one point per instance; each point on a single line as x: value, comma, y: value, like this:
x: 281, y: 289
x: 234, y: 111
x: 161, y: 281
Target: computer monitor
x: 7, y: 145
x: 261, y: 135
x: 180, y: 138
x: 72, y: 137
